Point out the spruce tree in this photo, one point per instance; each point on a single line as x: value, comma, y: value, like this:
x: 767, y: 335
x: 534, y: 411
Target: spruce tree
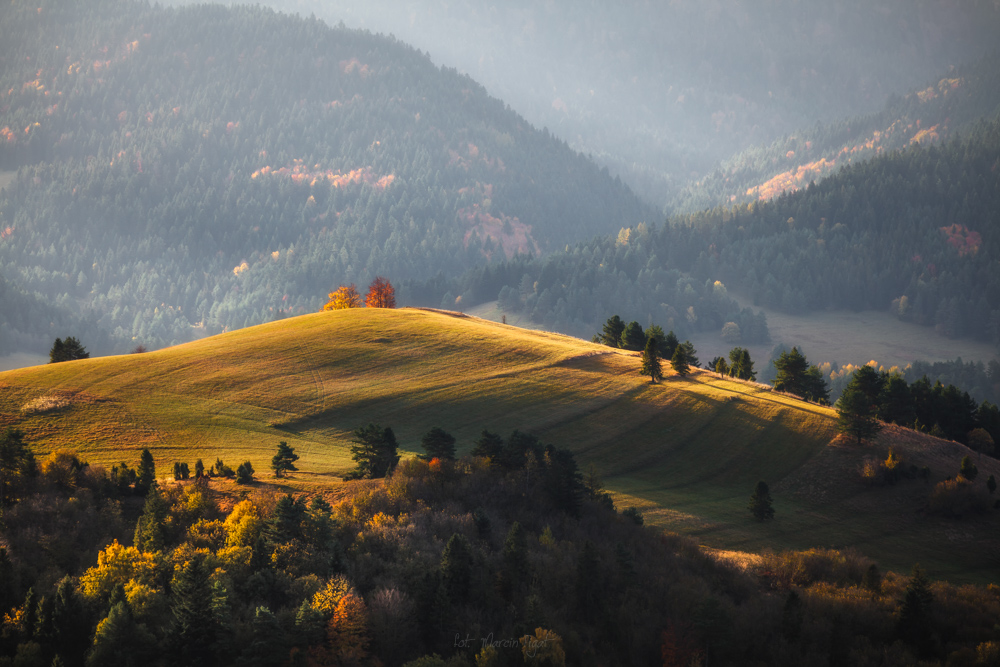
x: 375, y: 451
x: 456, y: 568
x: 195, y: 629
x: 633, y: 338
x: 150, y: 530
x: 651, y: 361
x: 856, y: 414
x: 612, y: 333
x: 146, y: 473
x: 438, y: 444
x: 680, y: 361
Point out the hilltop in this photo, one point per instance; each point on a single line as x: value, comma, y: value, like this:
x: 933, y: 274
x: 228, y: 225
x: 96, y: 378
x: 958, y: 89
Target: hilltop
x: 688, y: 451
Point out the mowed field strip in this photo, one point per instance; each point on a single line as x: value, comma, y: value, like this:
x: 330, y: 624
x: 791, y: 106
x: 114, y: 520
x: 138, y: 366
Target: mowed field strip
x: 687, y: 451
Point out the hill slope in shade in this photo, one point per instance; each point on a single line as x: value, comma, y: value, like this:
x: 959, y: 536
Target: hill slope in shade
x: 688, y: 451
x: 187, y: 171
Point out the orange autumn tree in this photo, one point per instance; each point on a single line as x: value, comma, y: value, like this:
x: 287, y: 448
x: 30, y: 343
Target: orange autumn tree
x: 381, y: 294
x: 345, y: 296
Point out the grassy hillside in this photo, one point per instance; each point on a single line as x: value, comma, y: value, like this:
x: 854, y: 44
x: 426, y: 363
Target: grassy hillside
x: 688, y: 451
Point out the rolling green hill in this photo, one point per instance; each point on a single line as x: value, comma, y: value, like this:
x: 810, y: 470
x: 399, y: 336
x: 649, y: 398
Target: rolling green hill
x: 688, y: 451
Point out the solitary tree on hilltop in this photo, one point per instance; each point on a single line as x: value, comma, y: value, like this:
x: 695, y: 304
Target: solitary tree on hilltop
x: 67, y: 350
x: 345, y: 296
x: 381, y: 294
x: 651, y: 361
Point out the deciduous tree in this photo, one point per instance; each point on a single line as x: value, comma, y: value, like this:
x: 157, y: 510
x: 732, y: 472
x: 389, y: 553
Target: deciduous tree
x: 381, y: 294
x: 345, y: 296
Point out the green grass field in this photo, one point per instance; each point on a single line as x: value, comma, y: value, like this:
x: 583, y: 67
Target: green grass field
x: 687, y: 451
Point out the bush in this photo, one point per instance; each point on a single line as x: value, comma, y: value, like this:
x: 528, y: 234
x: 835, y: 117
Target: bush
x: 957, y: 497
x: 244, y: 473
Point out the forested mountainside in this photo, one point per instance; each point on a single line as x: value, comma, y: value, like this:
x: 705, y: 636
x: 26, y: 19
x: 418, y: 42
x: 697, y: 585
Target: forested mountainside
x: 196, y: 169
x: 913, y: 230
x: 944, y: 108
x: 661, y: 92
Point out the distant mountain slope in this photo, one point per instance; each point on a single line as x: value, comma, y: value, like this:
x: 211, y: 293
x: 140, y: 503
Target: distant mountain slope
x: 198, y: 169
x: 913, y: 231
x: 946, y: 108
x: 689, y: 451
x: 661, y: 91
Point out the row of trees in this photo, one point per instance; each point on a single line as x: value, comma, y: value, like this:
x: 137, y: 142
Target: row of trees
x: 381, y: 294
x: 874, y: 396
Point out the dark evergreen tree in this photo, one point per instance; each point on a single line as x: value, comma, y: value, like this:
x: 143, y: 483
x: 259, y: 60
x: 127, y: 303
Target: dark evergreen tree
x: 669, y: 345
x: 587, y: 586
x: 515, y: 572
x: 145, y: 473
x: 633, y: 337
x: 150, y: 530
x: 375, y: 452
x: 195, y: 628
x: 796, y: 376
x: 679, y: 361
x: 67, y: 350
x: 17, y: 466
x: 456, y: 568
x: 651, y: 361
x: 284, y: 460
x: 914, y: 613
x: 760, y: 503
x: 244, y: 473
x: 895, y: 405
x: 856, y: 415
x: 199, y: 469
x: 691, y: 354
x: 612, y: 333
x: 489, y: 446
x: 438, y: 444
x: 285, y: 523
x: 740, y: 365
x: 563, y: 482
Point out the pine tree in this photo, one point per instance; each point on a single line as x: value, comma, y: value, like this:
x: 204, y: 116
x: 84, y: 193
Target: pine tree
x: 244, y: 473
x: 438, y: 444
x: 375, y: 452
x: 856, y: 414
x: 760, y: 503
x: 284, y: 460
x: 146, y: 473
x: 651, y: 361
x: 489, y: 446
x: 456, y: 568
x: 150, y: 530
x: 680, y: 361
x: 913, y: 622
x: 195, y: 629
x: 633, y: 338
x: 611, y: 335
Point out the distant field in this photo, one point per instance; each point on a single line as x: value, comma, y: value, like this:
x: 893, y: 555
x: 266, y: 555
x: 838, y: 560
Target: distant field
x: 22, y: 360
x: 845, y: 337
x: 856, y: 338
x: 688, y: 451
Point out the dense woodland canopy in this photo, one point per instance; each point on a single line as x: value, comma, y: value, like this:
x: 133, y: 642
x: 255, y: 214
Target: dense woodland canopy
x: 185, y: 171
x: 488, y: 549
x: 913, y: 231
x: 662, y: 91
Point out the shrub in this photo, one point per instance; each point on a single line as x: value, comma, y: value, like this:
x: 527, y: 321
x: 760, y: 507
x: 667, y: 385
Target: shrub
x: 957, y: 497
